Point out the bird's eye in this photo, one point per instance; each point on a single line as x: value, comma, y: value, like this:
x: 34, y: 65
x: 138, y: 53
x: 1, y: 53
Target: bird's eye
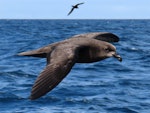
x: 107, y: 50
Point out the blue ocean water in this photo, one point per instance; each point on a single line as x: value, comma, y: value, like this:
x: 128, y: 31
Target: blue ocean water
x: 107, y: 86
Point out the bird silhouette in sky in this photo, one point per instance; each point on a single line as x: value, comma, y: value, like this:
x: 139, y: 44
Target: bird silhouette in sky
x: 73, y: 7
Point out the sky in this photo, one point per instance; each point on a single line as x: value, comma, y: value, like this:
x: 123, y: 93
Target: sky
x: 91, y: 9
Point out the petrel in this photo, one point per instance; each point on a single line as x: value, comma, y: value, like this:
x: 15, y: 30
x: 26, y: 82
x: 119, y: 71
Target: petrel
x: 73, y: 7
x: 62, y: 56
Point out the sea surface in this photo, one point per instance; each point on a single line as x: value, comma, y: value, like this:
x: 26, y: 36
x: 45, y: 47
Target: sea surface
x: 108, y: 86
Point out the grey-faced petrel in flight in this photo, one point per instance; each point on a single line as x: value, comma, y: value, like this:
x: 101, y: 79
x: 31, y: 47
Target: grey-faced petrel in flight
x: 61, y: 57
x: 73, y: 7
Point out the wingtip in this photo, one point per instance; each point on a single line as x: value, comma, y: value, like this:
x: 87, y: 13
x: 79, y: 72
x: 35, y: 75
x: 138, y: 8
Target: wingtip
x: 108, y: 37
x: 32, y: 98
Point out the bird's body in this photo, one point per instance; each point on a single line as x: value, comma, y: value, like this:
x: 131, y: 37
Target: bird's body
x: 74, y: 7
x: 61, y: 57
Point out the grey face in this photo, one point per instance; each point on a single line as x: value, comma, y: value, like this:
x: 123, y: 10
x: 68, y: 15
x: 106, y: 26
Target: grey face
x: 110, y: 51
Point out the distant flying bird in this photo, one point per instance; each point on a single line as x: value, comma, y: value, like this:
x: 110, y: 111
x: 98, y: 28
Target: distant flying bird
x: 73, y: 7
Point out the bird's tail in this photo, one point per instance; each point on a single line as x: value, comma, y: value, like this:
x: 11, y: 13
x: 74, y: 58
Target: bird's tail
x: 41, y: 52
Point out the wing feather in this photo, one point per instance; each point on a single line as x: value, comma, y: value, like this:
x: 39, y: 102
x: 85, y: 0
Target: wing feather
x: 103, y: 36
x: 71, y: 11
x: 80, y: 3
x: 54, y: 72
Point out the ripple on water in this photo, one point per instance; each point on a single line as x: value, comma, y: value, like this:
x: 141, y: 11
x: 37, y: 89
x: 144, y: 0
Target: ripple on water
x: 106, y: 87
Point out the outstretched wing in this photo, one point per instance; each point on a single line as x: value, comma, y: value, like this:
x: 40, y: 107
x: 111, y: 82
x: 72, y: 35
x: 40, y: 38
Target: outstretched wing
x: 62, y: 60
x: 71, y: 11
x: 103, y: 36
x: 80, y: 3
x: 108, y: 37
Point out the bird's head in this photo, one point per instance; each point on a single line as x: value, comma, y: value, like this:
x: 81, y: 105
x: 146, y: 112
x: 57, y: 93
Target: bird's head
x: 109, y: 50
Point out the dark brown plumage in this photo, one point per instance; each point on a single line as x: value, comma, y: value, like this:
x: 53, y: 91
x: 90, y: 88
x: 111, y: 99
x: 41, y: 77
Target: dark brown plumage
x: 61, y: 57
